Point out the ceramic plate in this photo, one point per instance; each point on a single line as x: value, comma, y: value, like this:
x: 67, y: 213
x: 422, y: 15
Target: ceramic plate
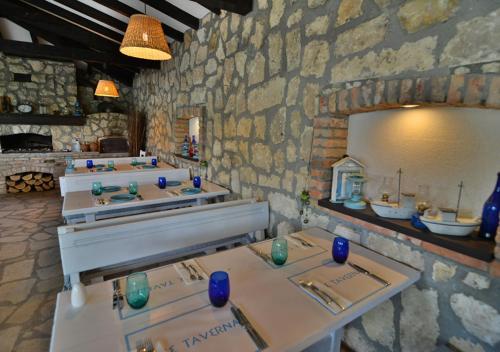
x: 99, y: 166
x: 104, y: 169
x: 149, y: 167
x: 173, y: 183
x: 111, y: 189
x: 190, y: 190
x: 122, y: 197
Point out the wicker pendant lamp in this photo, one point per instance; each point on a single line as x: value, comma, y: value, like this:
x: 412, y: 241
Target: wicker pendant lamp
x: 106, y: 89
x: 144, y: 39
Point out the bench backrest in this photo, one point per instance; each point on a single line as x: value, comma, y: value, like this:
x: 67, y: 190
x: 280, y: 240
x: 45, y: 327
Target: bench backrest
x: 110, y: 242
x: 84, y: 182
x: 126, y: 160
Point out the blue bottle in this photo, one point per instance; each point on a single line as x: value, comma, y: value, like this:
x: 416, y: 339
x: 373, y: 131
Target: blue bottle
x: 489, y: 220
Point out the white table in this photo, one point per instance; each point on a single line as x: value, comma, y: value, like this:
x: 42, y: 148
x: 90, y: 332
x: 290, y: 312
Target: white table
x: 286, y: 317
x: 82, y: 170
x: 82, y: 206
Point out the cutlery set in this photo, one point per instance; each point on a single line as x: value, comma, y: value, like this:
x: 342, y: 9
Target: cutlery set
x: 265, y: 257
x: 302, y: 241
x: 252, y: 332
x: 368, y: 273
x: 193, y: 273
x: 117, y: 295
x: 145, y: 345
x: 323, y: 295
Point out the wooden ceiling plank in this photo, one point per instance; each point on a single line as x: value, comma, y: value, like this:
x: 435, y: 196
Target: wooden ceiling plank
x: 95, y: 14
x: 174, y: 12
x: 17, y: 11
x: 242, y: 7
x: 40, y: 51
x: 128, y: 11
x: 68, y: 15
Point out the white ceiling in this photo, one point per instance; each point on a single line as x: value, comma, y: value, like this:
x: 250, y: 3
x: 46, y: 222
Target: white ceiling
x: 11, y: 31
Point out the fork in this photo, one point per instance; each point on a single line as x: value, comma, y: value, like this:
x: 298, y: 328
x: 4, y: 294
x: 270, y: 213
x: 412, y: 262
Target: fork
x: 196, y: 272
x: 149, y: 345
x: 191, y: 275
x: 140, y: 346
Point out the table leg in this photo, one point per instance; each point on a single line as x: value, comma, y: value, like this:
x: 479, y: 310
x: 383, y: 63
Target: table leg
x: 74, y: 278
x: 336, y: 339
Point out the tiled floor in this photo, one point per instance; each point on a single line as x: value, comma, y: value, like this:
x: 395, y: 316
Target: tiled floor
x: 30, y: 270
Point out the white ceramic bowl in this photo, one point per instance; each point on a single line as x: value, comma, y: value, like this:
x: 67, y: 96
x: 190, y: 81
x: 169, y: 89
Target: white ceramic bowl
x: 462, y: 227
x: 391, y: 210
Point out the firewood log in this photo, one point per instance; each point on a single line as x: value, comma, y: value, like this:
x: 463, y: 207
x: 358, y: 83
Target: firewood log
x: 27, y: 177
x: 38, y: 188
x: 51, y: 184
x: 13, y: 190
x: 46, y: 186
x: 38, y: 176
x: 15, y: 177
x: 30, y: 182
x: 20, y: 185
x: 47, y: 178
x: 26, y: 189
x: 38, y: 182
x: 11, y: 183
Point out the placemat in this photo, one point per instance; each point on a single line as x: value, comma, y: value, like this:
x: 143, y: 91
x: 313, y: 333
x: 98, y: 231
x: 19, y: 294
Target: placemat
x: 203, y: 329
x: 343, y: 283
x: 297, y: 251
x: 166, y: 287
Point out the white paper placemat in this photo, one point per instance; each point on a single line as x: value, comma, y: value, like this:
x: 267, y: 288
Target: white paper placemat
x: 203, y: 329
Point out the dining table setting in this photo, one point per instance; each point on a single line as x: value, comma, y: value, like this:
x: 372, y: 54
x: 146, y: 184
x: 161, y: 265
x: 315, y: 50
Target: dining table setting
x: 281, y: 294
x: 114, y: 200
x: 112, y: 166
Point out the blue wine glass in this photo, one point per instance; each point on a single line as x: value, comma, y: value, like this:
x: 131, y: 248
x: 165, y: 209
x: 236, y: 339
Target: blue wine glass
x: 90, y: 164
x: 218, y: 288
x: 340, y: 250
x: 197, y: 182
x: 154, y: 162
x: 162, y: 182
x: 137, y: 290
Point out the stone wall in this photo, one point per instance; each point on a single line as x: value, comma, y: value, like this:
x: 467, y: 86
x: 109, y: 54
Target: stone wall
x: 53, y: 83
x: 260, y: 77
x: 96, y: 125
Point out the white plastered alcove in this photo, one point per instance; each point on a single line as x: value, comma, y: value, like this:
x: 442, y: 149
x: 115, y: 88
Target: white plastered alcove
x: 438, y: 147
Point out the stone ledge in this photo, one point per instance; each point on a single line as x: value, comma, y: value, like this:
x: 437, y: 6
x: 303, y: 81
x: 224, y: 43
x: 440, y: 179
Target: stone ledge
x: 492, y: 267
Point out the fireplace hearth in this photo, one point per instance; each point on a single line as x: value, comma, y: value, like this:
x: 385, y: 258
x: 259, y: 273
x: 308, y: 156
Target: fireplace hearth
x: 25, y: 143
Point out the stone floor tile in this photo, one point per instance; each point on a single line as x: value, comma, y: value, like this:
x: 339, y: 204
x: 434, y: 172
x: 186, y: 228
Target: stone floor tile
x: 55, y: 283
x: 26, y: 311
x: 8, y: 338
x: 16, y: 291
x: 41, y: 236
x: 33, y: 345
x: 18, y: 270
x: 38, y: 245
x: 48, y: 257
x: 11, y: 239
x: 50, y: 272
x: 12, y: 250
x: 5, y: 311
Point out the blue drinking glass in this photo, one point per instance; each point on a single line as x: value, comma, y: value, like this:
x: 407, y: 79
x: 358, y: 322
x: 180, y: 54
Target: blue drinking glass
x: 154, y: 162
x: 137, y: 290
x: 197, y: 182
x: 340, y: 249
x: 90, y: 164
x: 218, y: 288
x: 162, y: 182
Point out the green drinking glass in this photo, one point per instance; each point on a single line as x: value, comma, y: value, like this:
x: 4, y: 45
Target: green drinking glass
x: 111, y: 164
x: 137, y: 290
x: 134, y: 162
x: 96, y: 188
x: 279, y: 251
x: 132, y: 187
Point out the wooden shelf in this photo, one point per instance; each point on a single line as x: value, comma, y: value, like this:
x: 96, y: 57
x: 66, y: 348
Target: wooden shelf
x: 40, y: 119
x: 471, y: 246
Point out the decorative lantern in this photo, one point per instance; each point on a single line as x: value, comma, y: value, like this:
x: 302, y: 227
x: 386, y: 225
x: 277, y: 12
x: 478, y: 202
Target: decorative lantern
x: 342, y: 169
x: 355, y: 189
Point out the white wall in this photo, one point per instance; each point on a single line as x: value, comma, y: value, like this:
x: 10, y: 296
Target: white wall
x: 438, y: 147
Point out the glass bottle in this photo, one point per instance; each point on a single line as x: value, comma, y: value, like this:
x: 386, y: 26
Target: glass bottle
x: 185, y: 146
x: 194, y: 145
x: 489, y: 220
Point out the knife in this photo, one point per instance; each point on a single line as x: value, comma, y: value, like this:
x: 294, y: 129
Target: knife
x: 117, y: 296
x: 261, y: 255
x: 254, y: 335
x: 366, y: 272
x: 301, y: 240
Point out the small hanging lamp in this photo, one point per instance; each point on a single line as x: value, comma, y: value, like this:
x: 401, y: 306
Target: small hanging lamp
x: 144, y: 39
x: 106, y: 89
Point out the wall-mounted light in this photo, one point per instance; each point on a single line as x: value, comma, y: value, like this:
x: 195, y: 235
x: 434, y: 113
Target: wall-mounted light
x: 410, y: 106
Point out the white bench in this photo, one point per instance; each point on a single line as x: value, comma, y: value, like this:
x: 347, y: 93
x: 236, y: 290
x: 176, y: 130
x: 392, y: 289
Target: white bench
x: 169, y: 234
x: 127, y: 160
x: 84, y: 182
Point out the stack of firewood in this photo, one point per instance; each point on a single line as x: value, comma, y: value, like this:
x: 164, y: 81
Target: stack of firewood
x: 29, y: 181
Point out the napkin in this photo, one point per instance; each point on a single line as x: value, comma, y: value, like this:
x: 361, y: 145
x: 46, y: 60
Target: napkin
x: 185, y: 274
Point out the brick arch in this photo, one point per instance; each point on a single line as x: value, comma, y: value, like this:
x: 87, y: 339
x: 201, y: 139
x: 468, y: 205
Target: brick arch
x: 331, y: 124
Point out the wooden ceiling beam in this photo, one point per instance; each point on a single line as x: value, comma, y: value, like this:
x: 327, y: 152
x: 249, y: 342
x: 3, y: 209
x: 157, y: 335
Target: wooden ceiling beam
x: 94, y: 13
x: 70, y: 16
x: 40, y: 51
x: 128, y: 11
x: 174, y: 12
x: 21, y: 12
x: 242, y: 7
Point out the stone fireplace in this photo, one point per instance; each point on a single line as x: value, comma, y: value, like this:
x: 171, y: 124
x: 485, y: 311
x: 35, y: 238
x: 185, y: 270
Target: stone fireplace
x: 25, y: 143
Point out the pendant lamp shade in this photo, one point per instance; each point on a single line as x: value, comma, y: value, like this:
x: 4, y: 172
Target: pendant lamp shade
x: 144, y: 39
x: 106, y: 89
